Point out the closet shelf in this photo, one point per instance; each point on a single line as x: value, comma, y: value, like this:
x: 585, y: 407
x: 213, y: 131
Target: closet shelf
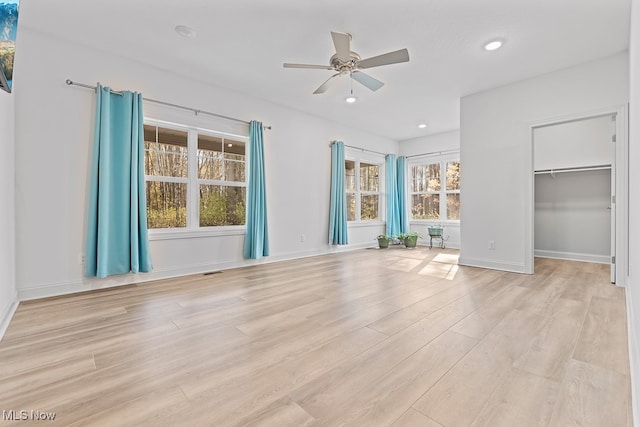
x: 577, y: 169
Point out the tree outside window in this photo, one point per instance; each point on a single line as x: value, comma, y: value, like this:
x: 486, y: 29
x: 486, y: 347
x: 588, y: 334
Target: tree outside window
x: 166, y: 169
x: 221, y: 179
x: 193, y: 179
x: 430, y: 198
x: 362, y: 184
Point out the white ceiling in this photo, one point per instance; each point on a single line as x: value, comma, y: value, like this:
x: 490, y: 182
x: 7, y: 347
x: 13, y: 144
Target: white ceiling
x: 241, y: 44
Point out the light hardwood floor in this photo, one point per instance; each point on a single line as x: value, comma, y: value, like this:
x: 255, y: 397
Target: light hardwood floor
x: 374, y: 337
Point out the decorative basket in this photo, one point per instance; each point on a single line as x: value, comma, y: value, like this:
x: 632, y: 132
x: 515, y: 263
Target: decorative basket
x: 435, y: 231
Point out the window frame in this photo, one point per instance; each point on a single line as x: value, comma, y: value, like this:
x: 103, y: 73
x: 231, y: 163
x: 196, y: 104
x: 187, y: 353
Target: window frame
x: 359, y: 156
x: 442, y: 160
x: 193, y: 228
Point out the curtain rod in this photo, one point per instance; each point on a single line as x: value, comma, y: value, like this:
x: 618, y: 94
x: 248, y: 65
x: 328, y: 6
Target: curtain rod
x: 576, y: 169
x: 435, y: 153
x: 407, y: 157
x: 168, y: 104
x: 362, y: 149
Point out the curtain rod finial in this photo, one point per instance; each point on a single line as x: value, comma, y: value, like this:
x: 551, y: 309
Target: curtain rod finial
x: 69, y: 82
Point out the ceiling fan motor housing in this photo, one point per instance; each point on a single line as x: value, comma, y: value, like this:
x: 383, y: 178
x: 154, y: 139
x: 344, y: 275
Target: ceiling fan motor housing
x: 342, y: 66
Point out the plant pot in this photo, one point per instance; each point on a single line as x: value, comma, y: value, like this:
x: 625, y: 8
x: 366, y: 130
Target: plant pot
x: 435, y: 231
x: 383, y: 243
x: 410, y: 242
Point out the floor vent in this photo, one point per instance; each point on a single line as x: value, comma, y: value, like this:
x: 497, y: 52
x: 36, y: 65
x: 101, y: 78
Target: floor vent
x: 209, y: 273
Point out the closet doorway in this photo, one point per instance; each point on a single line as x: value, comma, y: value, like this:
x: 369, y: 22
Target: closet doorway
x: 574, y: 190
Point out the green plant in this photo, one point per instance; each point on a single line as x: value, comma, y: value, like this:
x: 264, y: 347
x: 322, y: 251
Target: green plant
x: 383, y: 240
x: 383, y: 237
x: 403, y: 236
x: 410, y: 239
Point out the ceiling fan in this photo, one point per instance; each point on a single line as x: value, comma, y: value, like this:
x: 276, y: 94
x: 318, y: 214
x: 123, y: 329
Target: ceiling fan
x: 345, y: 61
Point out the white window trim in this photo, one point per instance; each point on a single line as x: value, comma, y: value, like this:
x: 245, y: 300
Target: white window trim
x: 193, y: 229
x: 170, y: 233
x: 358, y: 156
x: 426, y: 160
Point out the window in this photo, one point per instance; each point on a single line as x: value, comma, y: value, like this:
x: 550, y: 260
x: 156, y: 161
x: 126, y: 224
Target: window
x: 166, y: 170
x: 431, y: 198
x: 362, y: 183
x: 221, y: 180
x: 193, y: 178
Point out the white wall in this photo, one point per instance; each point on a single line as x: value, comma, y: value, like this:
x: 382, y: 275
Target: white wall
x: 441, y: 142
x: 8, y: 294
x: 572, y: 219
x: 633, y: 286
x: 53, y: 139
x: 496, y: 153
x: 431, y: 143
x: 581, y: 143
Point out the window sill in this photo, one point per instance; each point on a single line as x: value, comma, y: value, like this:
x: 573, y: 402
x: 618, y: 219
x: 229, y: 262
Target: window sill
x: 365, y: 223
x: 449, y: 222
x: 167, y: 234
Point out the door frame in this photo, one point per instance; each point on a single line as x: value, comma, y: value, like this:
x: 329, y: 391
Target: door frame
x: 621, y: 178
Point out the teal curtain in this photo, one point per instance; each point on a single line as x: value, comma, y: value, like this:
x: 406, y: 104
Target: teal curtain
x: 117, y: 240
x: 256, y: 239
x: 402, y: 195
x: 338, y: 201
x: 391, y: 184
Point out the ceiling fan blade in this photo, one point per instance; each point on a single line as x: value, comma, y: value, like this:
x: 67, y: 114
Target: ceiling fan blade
x: 323, y: 87
x: 314, y: 67
x: 395, y: 57
x: 342, y: 42
x: 367, y: 80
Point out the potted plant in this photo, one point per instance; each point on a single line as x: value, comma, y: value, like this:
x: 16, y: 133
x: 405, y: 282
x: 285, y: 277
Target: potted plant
x: 410, y: 239
x: 383, y: 241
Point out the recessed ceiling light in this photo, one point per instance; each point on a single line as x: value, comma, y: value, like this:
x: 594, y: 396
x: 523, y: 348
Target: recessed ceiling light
x: 229, y: 145
x: 493, y: 45
x: 422, y: 125
x: 185, y: 31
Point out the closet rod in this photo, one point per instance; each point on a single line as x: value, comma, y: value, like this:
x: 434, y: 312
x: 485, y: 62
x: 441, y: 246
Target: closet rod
x: 168, y: 104
x: 578, y: 169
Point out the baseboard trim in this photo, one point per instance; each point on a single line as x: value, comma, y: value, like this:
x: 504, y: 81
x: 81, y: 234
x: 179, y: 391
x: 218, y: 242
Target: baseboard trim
x: 572, y: 256
x: 493, y: 265
x: 89, y: 284
x: 634, y: 360
x: 7, y: 314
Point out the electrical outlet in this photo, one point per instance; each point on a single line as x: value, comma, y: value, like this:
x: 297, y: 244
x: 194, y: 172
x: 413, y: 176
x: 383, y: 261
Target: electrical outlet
x: 80, y: 258
x: 492, y: 244
x: 303, y: 238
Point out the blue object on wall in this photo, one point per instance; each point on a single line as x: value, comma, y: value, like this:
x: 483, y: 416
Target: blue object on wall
x: 9, y: 11
x: 338, y: 201
x: 256, y: 239
x: 117, y: 239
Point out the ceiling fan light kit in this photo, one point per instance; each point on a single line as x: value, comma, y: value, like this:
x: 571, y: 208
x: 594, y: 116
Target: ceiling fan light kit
x: 345, y: 61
